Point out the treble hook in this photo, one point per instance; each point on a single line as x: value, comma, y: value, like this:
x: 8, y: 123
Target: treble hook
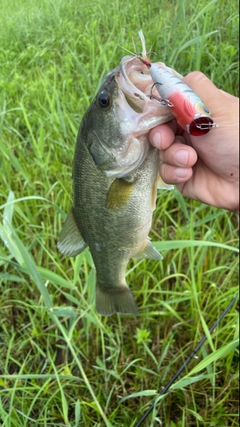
x: 164, y: 102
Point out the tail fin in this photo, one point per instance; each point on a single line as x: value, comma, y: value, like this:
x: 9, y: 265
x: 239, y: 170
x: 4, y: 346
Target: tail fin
x: 115, y: 300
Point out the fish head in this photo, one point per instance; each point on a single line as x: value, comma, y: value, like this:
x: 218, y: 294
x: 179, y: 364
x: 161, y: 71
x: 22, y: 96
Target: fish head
x: 101, y: 120
x: 120, y: 117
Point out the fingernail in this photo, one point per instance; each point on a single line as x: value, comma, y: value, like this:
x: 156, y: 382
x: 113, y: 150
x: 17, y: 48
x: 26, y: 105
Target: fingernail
x: 181, y: 157
x: 156, y: 139
x: 180, y: 172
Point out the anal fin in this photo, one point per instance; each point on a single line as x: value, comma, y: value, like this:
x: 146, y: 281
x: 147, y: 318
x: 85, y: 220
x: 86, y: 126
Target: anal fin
x: 70, y: 242
x: 149, y: 251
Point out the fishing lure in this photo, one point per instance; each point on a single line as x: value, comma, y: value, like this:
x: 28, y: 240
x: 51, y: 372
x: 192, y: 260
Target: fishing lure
x: 189, y: 110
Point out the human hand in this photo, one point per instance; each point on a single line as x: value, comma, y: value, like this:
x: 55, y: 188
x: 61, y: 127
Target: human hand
x: 204, y: 168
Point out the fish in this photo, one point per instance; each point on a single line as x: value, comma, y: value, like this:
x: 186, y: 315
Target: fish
x: 115, y: 181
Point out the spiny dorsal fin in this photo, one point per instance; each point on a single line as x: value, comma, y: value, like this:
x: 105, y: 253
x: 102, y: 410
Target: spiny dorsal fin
x: 70, y: 242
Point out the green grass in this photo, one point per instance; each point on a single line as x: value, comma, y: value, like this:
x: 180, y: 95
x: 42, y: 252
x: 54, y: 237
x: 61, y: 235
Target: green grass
x: 61, y: 364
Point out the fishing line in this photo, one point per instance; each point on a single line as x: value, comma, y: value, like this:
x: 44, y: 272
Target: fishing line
x: 127, y: 50
x: 164, y: 391
x: 222, y: 126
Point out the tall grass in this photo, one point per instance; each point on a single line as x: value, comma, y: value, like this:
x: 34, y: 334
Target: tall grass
x: 61, y: 364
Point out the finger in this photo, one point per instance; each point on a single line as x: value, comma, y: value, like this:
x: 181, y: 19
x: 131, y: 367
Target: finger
x: 228, y: 96
x: 162, y: 136
x: 173, y: 175
x: 179, y: 154
x: 203, y: 87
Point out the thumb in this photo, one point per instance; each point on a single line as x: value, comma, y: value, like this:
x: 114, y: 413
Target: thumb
x: 216, y: 100
x: 204, y: 88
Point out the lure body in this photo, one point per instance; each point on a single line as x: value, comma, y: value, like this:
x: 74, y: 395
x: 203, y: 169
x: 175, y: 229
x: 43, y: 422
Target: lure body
x: 188, y: 109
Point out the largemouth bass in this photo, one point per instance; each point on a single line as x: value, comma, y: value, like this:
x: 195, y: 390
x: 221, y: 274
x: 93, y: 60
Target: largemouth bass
x: 115, y: 179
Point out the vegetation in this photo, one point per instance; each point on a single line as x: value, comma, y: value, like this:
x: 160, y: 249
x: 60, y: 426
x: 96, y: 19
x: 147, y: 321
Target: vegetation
x: 61, y: 364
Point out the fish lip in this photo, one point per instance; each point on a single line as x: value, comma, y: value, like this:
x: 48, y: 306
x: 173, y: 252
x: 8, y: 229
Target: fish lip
x: 129, y: 87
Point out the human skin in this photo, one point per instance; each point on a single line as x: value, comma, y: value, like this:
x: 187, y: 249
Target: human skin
x: 204, y: 168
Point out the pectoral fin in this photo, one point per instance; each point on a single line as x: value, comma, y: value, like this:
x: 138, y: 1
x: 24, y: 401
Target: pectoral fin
x: 119, y: 194
x: 162, y: 185
x: 149, y: 251
x: 70, y: 242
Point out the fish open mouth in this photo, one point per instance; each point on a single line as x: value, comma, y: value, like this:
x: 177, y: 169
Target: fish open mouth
x: 142, y: 80
x: 133, y: 105
x: 136, y: 83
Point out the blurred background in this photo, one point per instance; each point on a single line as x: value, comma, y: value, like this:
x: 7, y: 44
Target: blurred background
x: 61, y: 364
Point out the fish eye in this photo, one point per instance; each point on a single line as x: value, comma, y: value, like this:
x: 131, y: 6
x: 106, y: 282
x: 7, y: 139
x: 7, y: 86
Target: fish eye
x: 104, y: 100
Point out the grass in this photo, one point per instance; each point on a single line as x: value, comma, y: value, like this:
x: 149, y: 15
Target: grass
x: 61, y: 364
